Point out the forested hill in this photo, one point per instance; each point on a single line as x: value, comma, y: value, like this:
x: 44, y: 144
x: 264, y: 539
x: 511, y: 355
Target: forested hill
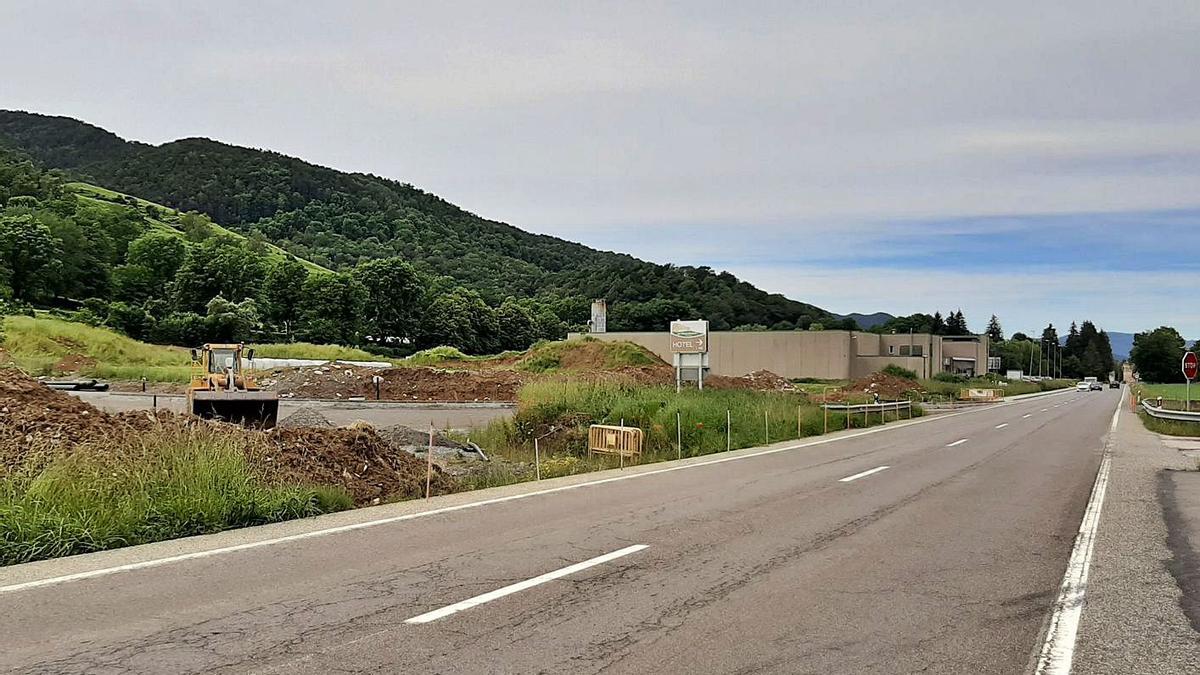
x: 339, y: 219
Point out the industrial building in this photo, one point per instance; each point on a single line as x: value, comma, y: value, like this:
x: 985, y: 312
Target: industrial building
x: 828, y: 354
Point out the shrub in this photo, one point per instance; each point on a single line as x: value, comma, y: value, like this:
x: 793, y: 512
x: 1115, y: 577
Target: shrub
x: 899, y: 371
x: 950, y: 377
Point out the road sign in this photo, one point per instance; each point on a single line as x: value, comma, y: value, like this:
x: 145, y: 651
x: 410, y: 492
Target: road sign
x: 689, y: 337
x: 1191, y: 365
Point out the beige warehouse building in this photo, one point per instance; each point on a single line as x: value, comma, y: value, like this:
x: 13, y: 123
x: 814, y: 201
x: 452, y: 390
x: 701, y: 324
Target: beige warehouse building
x: 829, y: 354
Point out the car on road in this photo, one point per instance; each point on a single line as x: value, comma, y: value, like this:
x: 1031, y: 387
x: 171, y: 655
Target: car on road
x: 1083, y: 386
x: 1114, y: 384
x: 1096, y: 386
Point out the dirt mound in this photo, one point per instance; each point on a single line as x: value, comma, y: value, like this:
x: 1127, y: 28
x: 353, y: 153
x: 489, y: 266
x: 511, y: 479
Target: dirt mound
x: 888, y: 387
x: 33, y: 416
x: 399, y: 384
x: 407, y: 436
x: 759, y: 380
x: 73, y: 363
x: 306, y: 416
x: 358, y: 459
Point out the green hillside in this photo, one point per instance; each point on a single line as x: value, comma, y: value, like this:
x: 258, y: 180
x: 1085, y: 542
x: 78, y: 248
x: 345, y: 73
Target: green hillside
x: 339, y: 220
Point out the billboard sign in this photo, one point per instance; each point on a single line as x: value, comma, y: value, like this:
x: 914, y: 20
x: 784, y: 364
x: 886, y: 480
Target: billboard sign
x: 689, y: 337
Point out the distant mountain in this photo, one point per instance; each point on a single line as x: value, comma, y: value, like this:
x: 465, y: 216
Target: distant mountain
x: 868, y: 321
x: 1122, y: 344
x: 338, y: 219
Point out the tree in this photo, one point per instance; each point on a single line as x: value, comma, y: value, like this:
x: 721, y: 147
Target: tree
x: 181, y: 328
x: 516, y: 326
x: 135, y: 284
x: 227, y: 321
x: 994, y: 332
x: 938, y: 325
x: 28, y: 254
x: 460, y: 318
x: 162, y: 253
x: 220, y: 266
x: 131, y: 320
x: 196, y: 226
x: 283, y: 292
x: 333, y: 308
x: 1156, y: 354
x: 956, y: 324
x: 394, y: 297
x: 1020, y: 337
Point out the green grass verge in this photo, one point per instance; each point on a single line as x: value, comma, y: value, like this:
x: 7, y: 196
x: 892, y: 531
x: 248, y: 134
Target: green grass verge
x: 1170, y: 427
x: 1169, y: 391
x: 136, y: 488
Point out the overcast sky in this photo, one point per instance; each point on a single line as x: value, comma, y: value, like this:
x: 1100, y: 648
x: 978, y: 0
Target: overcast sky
x: 1039, y: 160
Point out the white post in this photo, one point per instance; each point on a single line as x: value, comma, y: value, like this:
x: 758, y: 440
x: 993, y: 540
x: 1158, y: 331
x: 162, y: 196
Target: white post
x: 728, y: 431
x: 766, y: 429
x: 537, y: 460
x: 429, y: 462
x: 678, y: 435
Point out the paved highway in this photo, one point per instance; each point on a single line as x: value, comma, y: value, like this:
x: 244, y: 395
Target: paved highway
x: 937, y: 546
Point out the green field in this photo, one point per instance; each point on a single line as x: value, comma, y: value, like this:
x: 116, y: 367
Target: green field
x: 1168, y: 391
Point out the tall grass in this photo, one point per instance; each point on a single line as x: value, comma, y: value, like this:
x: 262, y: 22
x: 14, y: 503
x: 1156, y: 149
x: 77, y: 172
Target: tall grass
x: 37, y: 344
x: 133, y: 488
x: 308, y: 350
x: 565, y: 409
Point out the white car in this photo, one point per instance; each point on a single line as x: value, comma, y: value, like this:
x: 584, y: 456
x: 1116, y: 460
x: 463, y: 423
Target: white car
x: 1083, y: 386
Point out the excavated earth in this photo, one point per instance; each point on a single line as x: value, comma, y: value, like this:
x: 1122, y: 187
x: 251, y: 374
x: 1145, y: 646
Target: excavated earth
x: 37, y: 420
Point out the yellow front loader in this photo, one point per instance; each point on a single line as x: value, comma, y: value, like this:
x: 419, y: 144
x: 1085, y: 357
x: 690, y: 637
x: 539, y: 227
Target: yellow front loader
x: 222, y: 390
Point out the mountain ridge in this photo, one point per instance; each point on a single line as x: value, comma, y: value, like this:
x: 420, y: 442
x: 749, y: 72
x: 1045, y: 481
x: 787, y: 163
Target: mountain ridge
x: 338, y: 219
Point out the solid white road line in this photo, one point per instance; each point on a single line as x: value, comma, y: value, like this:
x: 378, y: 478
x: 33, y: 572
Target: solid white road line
x: 1059, y: 648
x: 1027, y: 415
x: 958, y: 442
x: 1001, y: 426
x: 523, y: 585
x: 868, y: 472
x: 1045, y: 409
x: 156, y: 562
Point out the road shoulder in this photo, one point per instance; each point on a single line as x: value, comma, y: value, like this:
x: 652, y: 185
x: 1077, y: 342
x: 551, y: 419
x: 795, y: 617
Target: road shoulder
x: 1133, y: 620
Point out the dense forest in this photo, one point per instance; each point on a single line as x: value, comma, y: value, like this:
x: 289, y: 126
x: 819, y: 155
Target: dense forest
x: 345, y: 221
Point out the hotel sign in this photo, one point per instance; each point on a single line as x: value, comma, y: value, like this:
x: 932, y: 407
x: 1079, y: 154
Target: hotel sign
x: 689, y: 337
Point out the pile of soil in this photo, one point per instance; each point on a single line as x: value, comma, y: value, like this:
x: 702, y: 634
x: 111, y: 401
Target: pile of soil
x: 358, y: 459
x: 399, y: 384
x: 306, y: 416
x: 889, y: 387
x: 73, y: 363
x: 759, y: 380
x: 33, y: 416
x: 407, y: 436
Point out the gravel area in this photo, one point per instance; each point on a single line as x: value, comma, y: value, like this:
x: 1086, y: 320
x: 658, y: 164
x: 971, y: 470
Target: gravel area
x: 1133, y: 621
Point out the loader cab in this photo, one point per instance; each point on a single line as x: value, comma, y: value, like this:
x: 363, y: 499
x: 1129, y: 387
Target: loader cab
x: 221, y: 359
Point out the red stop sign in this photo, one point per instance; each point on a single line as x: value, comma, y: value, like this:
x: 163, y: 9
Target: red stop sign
x: 1191, y: 365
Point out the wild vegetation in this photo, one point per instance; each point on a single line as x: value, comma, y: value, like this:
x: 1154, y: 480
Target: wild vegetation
x: 133, y: 488
x: 470, y: 278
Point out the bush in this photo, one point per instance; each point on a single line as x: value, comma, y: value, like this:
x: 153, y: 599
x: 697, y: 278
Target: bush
x: 899, y: 371
x: 950, y: 377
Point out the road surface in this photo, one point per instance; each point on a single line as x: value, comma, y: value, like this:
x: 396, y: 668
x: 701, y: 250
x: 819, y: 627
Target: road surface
x: 936, y: 547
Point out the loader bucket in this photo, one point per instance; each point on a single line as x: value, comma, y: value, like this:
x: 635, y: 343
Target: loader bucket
x: 257, y: 409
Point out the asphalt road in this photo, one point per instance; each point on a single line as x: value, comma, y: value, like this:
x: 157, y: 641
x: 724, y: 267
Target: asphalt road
x: 341, y: 413
x: 948, y: 561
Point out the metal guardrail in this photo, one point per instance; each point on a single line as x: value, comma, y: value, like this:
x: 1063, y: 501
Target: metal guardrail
x: 881, y: 407
x: 1165, y: 414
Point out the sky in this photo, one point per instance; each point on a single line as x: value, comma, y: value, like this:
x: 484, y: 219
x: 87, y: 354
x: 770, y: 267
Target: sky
x: 1039, y: 161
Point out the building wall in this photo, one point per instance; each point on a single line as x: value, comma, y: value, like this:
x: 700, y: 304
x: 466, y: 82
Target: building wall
x: 830, y: 354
